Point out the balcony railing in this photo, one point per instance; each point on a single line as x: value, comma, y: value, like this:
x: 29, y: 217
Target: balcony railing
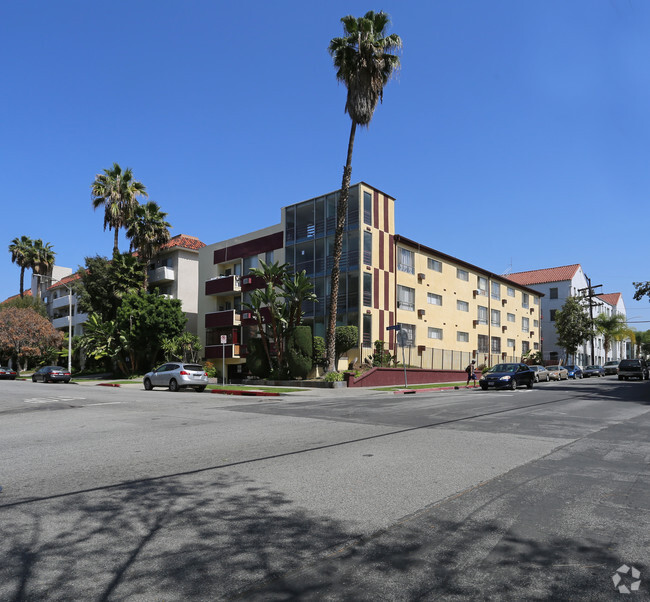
x: 229, y: 317
x: 226, y: 285
x: 62, y: 302
x: 222, y: 351
x: 161, y: 274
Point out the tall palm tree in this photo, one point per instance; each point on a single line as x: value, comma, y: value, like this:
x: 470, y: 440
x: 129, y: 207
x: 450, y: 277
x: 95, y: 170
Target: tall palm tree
x: 20, y: 249
x: 148, y: 231
x: 117, y: 192
x: 42, y: 261
x: 613, y: 328
x: 364, y: 61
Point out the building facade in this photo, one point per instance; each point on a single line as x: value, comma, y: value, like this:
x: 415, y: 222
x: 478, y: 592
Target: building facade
x: 448, y: 310
x: 557, y: 284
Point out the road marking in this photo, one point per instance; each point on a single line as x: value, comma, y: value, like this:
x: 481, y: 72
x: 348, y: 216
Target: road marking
x: 106, y: 403
x: 52, y: 399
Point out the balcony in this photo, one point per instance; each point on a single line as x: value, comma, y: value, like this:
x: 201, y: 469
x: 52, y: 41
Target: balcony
x: 62, y: 322
x: 161, y: 275
x: 229, y: 317
x: 222, y: 351
x: 223, y: 286
x: 62, y: 302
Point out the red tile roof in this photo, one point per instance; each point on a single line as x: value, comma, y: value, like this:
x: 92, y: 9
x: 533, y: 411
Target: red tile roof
x: 184, y: 241
x: 566, y: 272
x: 611, y: 298
x: 64, y: 280
x: 26, y: 293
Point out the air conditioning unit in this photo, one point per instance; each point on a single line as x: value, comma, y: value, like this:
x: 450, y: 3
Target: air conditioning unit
x: 475, y: 322
x: 504, y: 328
x: 420, y: 276
x: 247, y: 315
x: 420, y: 312
x: 504, y: 301
x: 248, y: 280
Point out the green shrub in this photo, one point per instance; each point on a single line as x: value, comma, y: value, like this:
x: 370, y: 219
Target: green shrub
x: 299, y: 352
x: 345, y: 338
x: 319, y: 351
x: 256, y: 360
x: 210, y: 369
x: 332, y: 377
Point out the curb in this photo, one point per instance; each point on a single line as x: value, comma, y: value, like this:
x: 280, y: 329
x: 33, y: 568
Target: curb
x: 107, y: 385
x: 248, y: 393
x: 410, y: 391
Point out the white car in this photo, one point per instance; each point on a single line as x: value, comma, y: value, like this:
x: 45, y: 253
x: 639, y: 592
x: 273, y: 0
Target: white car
x: 176, y: 376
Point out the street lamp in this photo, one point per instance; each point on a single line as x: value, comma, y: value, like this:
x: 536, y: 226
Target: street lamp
x: 69, y: 289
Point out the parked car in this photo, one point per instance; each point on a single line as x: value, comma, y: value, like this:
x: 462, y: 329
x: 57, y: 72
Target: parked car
x: 593, y: 371
x: 508, y: 376
x: 177, y: 375
x: 633, y: 369
x: 557, y: 372
x: 574, y: 371
x: 51, y: 374
x: 7, y: 373
x: 541, y: 373
x: 611, y: 367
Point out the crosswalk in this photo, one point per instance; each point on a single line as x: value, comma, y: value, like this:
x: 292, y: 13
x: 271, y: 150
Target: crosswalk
x: 55, y: 399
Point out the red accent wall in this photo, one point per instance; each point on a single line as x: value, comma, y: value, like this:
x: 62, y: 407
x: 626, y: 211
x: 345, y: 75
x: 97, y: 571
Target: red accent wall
x: 391, y: 253
x: 251, y: 247
x: 385, y: 213
x: 386, y: 291
x: 375, y: 209
x: 391, y: 322
x: 382, y: 377
x: 381, y: 250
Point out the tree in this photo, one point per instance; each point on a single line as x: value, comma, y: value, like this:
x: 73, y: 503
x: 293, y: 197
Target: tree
x: 573, y: 326
x: 613, y: 328
x: 27, y: 302
x: 148, y: 231
x: 42, y: 261
x: 103, y: 340
x: 183, y: 348
x: 25, y: 335
x: 20, y: 249
x: 346, y: 337
x: 116, y: 191
x: 364, y: 63
x: 642, y: 289
x: 103, y: 284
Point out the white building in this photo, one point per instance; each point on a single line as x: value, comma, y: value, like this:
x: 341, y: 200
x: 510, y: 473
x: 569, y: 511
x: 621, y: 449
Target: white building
x: 570, y: 281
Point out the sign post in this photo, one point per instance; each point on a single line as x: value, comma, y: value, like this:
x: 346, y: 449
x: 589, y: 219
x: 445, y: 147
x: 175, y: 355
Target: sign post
x: 402, y: 339
x: 224, y: 340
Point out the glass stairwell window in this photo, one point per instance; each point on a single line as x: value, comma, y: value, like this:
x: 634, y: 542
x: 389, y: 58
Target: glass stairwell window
x: 406, y: 261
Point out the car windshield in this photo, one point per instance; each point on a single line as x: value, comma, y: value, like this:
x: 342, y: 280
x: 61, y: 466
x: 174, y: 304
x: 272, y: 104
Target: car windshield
x: 503, y: 368
x: 552, y: 367
x: 593, y: 367
x: 193, y: 367
x: 614, y: 363
x: 570, y: 367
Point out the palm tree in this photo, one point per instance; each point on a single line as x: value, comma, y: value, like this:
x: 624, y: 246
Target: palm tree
x: 117, y: 192
x: 42, y: 261
x: 20, y: 249
x: 364, y: 63
x: 148, y: 231
x: 613, y: 328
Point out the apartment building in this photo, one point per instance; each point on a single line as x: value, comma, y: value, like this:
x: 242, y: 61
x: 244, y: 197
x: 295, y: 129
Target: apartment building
x: 450, y: 310
x: 557, y: 284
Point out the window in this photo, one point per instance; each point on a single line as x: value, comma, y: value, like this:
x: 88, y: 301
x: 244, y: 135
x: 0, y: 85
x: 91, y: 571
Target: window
x: 536, y: 300
x: 462, y: 305
x: 367, y: 208
x: 535, y: 323
x: 495, y: 345
x: 525, y: 346
x: 482, y: 314
x: 552, y: 293
x: 405, y: 261
x: 367, y: 289
x: 525, y: 302
x: 525, y: 325
x: 511, y: 343
x: 268, y: 257
x: 536, y: 346
x: 495, y: 291
x: 552, y: 317
x: 434, y: 264
x: 483, y: 344
x: 482, y: 285
x: 409, y: 329
x: 367, y: 330
x: 250, y: 262
x: 511, y: 317
x: 462, y: 274
x: 434, y: 299
x: 462, y: 337
x: 406, y: 298
x: 367, y: 248
x: 511, y: 292
x: 435, y: 333
x: 495, y: 317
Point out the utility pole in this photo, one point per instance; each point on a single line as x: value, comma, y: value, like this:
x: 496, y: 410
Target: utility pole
x: 589, y: 294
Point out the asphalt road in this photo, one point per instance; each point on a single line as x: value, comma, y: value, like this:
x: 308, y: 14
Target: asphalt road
x: 123, y: 494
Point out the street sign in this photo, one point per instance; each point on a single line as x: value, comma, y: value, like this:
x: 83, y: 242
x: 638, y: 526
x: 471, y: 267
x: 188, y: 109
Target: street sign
x: 402, y: 338
x: 224, y: 339
x: 396, y: 327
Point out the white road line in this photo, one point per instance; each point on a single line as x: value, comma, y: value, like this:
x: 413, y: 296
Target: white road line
x: 106, y: 403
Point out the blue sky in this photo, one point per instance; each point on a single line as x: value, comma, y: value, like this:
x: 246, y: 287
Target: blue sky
x: 515, y: 136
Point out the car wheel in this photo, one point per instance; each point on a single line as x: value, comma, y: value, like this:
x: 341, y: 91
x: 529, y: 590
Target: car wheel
x: 513, y: 384
x: 173, y: 385
x: 147, y: 385
x: 33, y: 379
x: 200, y: 389
x: 529, y: 385
x: 620, y: 378
x: 484, y: 387
x: 536, y: 378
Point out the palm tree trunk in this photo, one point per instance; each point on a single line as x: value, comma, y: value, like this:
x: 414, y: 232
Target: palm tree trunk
x: 116, y: 249
x: 341, y: 212
x: 22, y: 281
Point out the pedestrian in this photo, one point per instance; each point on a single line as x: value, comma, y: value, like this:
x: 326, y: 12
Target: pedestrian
x: 471, y: 373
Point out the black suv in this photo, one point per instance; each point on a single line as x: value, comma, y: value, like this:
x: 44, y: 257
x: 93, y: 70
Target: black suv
x: 633, y: 369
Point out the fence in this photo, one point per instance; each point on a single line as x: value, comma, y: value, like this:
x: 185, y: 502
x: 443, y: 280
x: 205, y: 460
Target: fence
x: 431, y: 358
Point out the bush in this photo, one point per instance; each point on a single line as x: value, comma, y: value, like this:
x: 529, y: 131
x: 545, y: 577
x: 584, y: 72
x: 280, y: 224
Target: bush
x: 210, y: 369
x: 299, y: 352
x: 332, y: 377
x: 345, y: 338
x: 256, y: 360
x: 319, y: 352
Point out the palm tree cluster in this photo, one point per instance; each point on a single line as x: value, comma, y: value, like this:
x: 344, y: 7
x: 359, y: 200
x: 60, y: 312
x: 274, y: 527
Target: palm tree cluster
x: 365, y: 61
x: 31, y: 254
x: 117, y: 192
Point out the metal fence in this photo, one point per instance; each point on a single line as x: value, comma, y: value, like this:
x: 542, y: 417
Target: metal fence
x: 431, y: 358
